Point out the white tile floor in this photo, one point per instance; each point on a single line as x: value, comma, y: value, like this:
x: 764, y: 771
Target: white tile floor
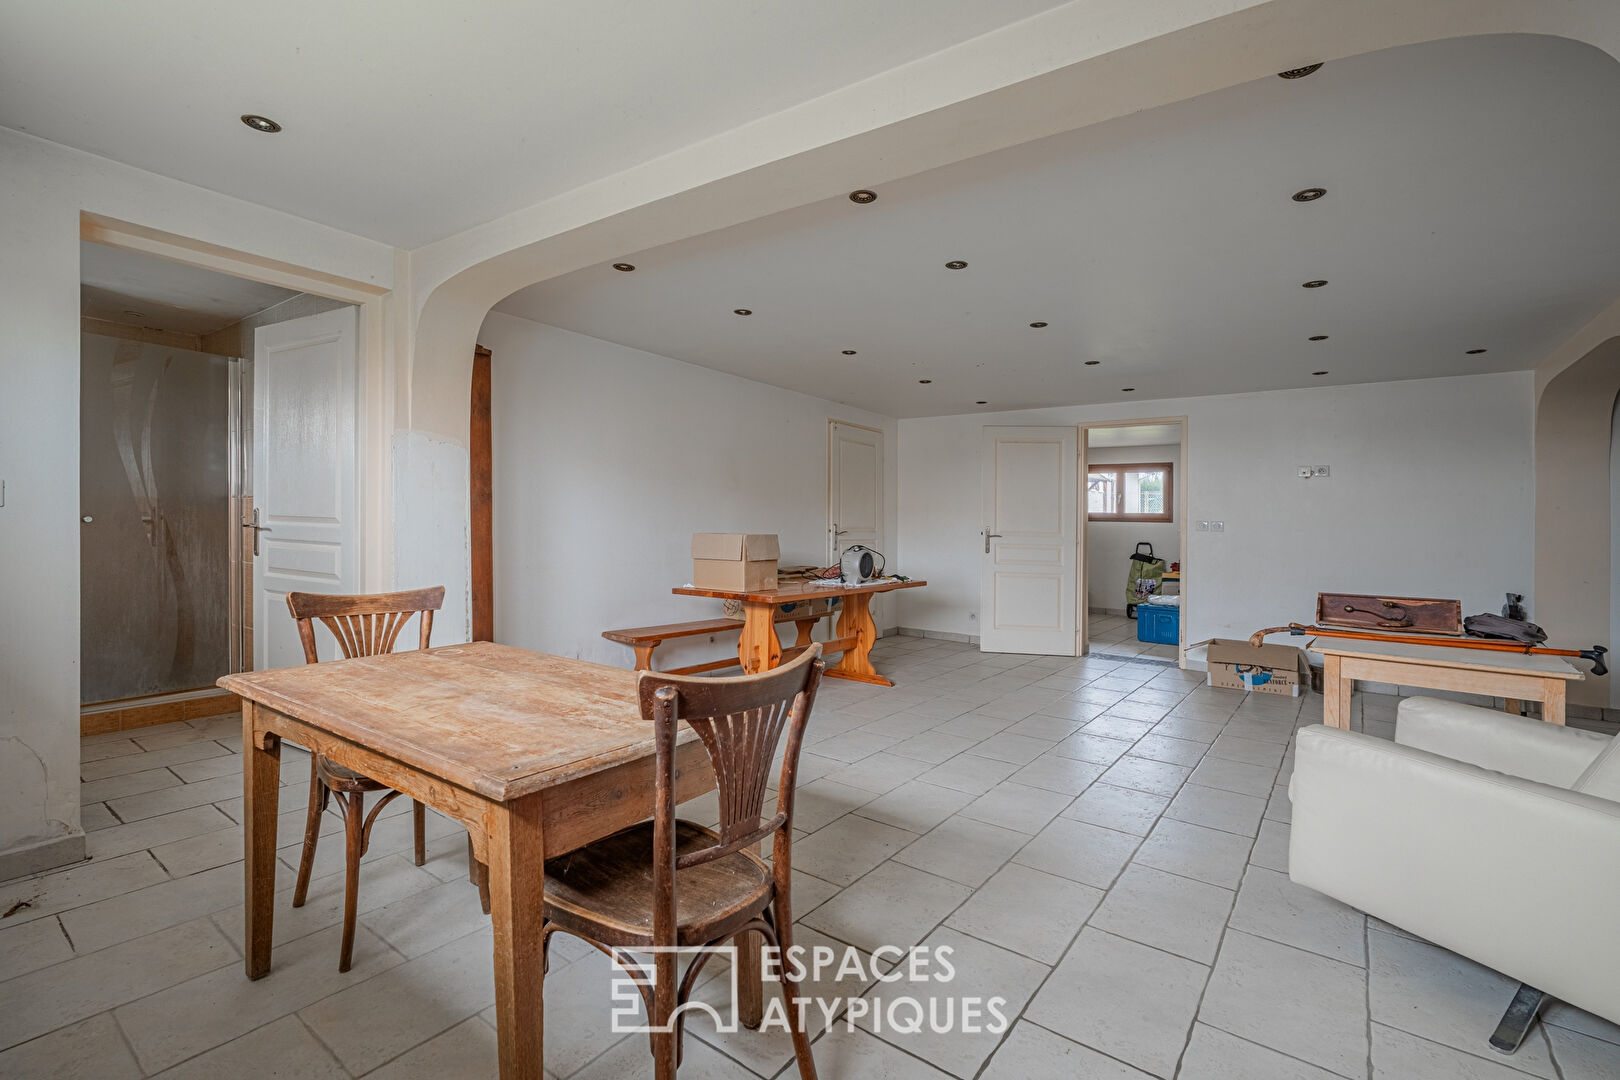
x: 1102, y: 842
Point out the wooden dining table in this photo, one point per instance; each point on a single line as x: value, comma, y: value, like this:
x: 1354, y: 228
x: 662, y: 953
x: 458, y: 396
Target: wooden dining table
x: 535, y: 754
x: 759, y: 649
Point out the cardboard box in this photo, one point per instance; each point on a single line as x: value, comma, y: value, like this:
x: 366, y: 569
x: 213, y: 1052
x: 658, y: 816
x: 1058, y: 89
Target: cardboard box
x: 735, y: 560
x: 1266, y: 669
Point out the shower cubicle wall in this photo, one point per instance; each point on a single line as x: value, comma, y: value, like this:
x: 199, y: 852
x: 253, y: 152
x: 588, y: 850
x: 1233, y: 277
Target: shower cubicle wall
x: 158, y: 461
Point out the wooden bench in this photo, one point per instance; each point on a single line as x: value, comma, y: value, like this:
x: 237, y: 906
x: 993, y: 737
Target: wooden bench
x: 645, y: 639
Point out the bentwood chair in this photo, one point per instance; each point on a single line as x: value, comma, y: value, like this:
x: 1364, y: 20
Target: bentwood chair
x: 363, y: 626
x: 670, y: 883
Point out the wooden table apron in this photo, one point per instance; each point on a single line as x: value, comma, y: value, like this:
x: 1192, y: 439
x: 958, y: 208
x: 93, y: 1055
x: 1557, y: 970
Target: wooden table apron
x: 513, y: 837
x: 1342, y: 669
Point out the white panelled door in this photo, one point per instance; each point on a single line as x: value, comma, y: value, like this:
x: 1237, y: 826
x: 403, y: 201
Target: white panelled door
x: 304, y: 474
x: 854, y: 488
x: 1030, y: 483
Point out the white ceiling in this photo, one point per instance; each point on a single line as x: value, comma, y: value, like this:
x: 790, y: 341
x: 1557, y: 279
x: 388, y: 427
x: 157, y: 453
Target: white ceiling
x: 406, y: 123
x: 168, y: 295
x: 1470, y: 205
x: 1134, y: 435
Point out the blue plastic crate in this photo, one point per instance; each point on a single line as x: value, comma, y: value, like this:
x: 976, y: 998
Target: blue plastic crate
x: 1158, y: 625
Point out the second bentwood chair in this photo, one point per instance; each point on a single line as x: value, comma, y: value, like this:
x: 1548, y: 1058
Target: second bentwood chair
x: 363, y: 626
x: 670, y: 883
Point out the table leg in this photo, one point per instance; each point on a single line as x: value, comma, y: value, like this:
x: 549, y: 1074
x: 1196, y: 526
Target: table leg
x: 1336, y: 692
x: 1552, y: 706
x: 759, y: 649
x: 517, y: 881
x: 261, y: 779
x: 1513, y: 706
x: 855, y: 625
x: 805, y: 627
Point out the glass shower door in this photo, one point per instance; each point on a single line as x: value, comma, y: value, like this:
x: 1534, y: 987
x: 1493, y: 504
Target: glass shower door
x: 155, y: 486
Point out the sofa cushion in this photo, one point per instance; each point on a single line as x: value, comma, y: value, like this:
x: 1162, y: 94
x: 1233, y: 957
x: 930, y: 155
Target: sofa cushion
x: 1602, y: 777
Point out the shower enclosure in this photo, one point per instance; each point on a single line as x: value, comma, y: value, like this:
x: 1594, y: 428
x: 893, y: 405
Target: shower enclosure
x: 161, y: 476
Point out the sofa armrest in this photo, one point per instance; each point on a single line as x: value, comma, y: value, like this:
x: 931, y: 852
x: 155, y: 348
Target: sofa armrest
x: 1518, y: 875
x: 1516, y: 745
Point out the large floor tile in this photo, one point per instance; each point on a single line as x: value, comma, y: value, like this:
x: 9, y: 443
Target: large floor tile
x: 848, y: 848
x: 1229, y: 775
x: 92, y: 1048
x: 1271, y: 906
x: 1427, y: 991
x: 1213, y: 1054
x: 1031, y: 1052
x: 1028, y: 911
x: 1017, y: 806
x: 894, y: 905
x: 915, y: 806
x: 1172, y: 913
x: 1131, y: 1002
x: 1399, y: 1056
x: 156, y: 907
x: 26, y: 899
x: 963, y: 850
x: 960, y: 1006
x: 846, y: 1052
x: 970, y: 773
x: 1127, y: 810
x: 932, y: 747
x: 1089, y: 854
x: 880, y: 773
x: 1054, y: 772
x: 1214, y: 808
x: 31, y: 946
x: 467, y: 1051
x: 1196, y: 852
x: 1581, y: 1057
x: 1097, y: 749
x: 118, y: 840
x: 819, y: 803
x: 1298, y: 1003
x: 284, y: 1045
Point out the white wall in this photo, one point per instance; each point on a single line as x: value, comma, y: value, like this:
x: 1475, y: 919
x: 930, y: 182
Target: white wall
x: 43, y: 189
x: 1110, y: 543
x: 1431, y: 495
x: 607, y: 459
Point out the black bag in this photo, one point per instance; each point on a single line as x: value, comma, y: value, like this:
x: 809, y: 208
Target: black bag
x: 1498, y: 626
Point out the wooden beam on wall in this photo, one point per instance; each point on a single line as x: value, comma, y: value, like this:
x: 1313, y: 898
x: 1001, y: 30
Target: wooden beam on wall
x: 482, y: 502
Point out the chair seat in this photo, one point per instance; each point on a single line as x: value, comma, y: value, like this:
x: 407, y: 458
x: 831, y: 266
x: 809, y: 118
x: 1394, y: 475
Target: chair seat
x: 341, y: 778
x: 606, y: 889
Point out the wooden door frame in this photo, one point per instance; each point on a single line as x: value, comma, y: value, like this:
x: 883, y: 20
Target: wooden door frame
x: 1083, y: 555
x: 481, y: 499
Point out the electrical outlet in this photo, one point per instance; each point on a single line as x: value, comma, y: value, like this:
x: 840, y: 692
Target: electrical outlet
x: 1306, y: 472
x: 973, y: 616
x: 1202, y: 526
x: 1322, y: 470
x: 1217, y: 526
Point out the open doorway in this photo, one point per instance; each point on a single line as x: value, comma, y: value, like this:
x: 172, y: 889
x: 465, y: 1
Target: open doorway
x: 1133, y: 517
x: 166, y: 481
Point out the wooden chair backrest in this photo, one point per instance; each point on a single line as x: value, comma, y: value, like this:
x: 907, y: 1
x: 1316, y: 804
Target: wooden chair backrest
x: 364, y: 625
x: 740, y: 721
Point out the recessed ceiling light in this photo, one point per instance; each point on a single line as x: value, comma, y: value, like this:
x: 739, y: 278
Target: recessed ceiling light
x: 981, y: 403
x: 261, y: 123
x: 1092, y: 363
x: 1317, y: 284
x: 135, y: 314
x: 624, y: 267
x: 1299, y: 72
x: 925, y: 382
x: 1127, y: 389
x: 1310, y: 194
x: 863, y: 196
x: 1475, y: 352
x: 1318, y: 373
x: 1038, y: 325
x: 1317, y: 337
x: 956, y: 264
x: 849, y: 352
x: 741, y: 311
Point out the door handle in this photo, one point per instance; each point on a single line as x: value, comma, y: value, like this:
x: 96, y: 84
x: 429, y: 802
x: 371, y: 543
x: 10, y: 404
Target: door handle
x: 257, y: 529
x: 988, y: 536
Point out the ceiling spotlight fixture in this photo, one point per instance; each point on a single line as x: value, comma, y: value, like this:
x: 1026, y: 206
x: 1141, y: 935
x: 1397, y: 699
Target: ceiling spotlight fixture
x: 1475, y: 352
x: 925, y: 382
x: 261, y: 123
x: 1299, y: 72
x: 624, y: 267
x: 956, y: 264
x: 1127, y: 389
x: 1318, y: 373
x: 849, y: 352
x: 863, y: 196
x: 1038, y: 325
x: 742, y: 311
x: 1317, y: 337
x: 1310, y: 194
x: 1317, y: 284
x: 981, y: 403
x: 1092, y: 363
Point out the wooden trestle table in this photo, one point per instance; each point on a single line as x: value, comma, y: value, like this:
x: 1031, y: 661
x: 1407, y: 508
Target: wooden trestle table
x: 759, y: 649
x: 536, y: 755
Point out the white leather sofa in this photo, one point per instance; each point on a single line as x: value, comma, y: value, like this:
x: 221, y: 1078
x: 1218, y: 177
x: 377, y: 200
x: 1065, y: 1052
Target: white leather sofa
x: 1494, y: 836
